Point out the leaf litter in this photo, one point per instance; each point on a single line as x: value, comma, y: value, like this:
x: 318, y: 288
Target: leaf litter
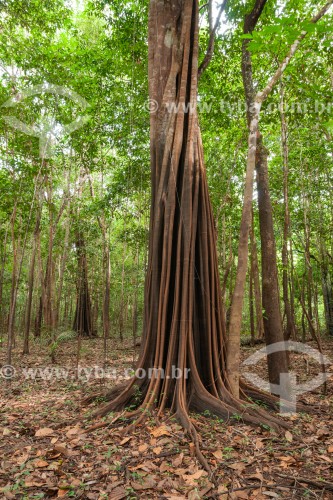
x: 48, y: 450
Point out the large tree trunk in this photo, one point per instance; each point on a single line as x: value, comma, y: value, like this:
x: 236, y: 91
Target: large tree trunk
x: 277, y: 362
x: 183, y: 317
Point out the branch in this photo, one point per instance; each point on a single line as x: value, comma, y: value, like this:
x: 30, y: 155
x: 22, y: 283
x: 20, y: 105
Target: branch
x: 319, y: 484
x: 250, y: 23
x: 261, y: 96
x: 203, y: 6
x: 252, y: 18
x: 211, y: 43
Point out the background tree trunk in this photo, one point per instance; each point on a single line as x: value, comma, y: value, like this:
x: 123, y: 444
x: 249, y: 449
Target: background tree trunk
x: 290, y: 324
x: 83, y: 317
x: 277, y: 362
x: 256, y: 283
x: 31, y: 281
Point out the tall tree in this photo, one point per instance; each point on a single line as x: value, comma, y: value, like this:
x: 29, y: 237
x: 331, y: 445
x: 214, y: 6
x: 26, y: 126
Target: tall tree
x: 257, y: 158
x: 183, y: 317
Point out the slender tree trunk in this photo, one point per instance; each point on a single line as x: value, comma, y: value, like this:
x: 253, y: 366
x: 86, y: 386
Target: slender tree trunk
x: 13, y: 297
x: 31, y: 282
x: 106, y: 300
x: 251, y: 308
x: 135, y: 300
x: 328, y: 301
x: 290, y: 325
x: 106, y: 267
x: 307, y: 257
x: 40, y: 305
x: 3, y: 264
x: 292, y: 289
x: 62, y: 269
x: 233, y: 358
x: 256, y: 283
x: 83, y: 317
x: 121, y: 304
x: 302, y: 301
x: 254, y: 102
x: 327, y: 289
x: 316, y: 307
x: 277, y: 362
x: 49, y: 308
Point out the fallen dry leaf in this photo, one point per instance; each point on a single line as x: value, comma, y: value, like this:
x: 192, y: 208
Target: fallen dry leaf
x: 259, y: 444
x: 148, y: 483
x: 162, y: 430
x: 193, y: 495
x: 142, y: 448
x: 125, y: 440
x: 45, y: 432
x: 191, y: 479
x: 242, y: 494
x: 218, y: 454
x: 288, y: 435
x: 72, y: 431
x: 62, y: 493
x: 61, y: 448
x: 41, y: 463
x: 178, y: 460
x: 21, y: 460
x: 239, y: 466
x: 258, y: 476
x: 118, y: 493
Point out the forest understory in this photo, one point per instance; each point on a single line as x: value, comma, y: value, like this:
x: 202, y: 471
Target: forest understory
x: 165, y: 175
x: 52, y: 447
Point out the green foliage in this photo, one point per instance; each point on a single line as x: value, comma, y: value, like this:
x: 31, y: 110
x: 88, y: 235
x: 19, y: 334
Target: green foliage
x: 100, y: 172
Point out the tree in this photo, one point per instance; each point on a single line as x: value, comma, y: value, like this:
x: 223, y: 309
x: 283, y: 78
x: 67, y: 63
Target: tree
x: 257, y: 159
x: 183, y: 317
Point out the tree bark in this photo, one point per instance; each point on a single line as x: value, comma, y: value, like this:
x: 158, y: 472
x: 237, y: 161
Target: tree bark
x: 62, y: 269
x: 3, y: 264
x: 251, y: 308
x: 183, y: 316
x: 327, y: 289
x: 83, y: 317
x: 277, y: 362
x: 31, y: 281
x: 290, y: 323
x: 256, y: 283
x: 13, y: 295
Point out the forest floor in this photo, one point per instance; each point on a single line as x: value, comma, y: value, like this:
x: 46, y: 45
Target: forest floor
x: 47, y: 447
